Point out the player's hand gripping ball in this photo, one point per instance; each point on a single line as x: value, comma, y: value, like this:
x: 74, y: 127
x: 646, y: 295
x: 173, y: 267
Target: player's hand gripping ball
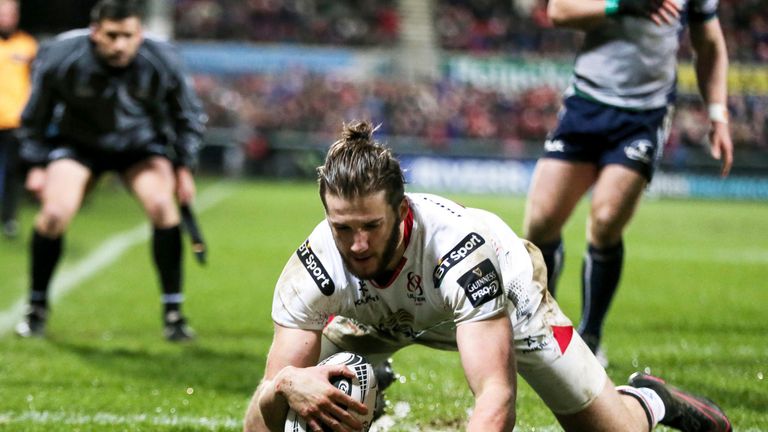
x: 363, y: 388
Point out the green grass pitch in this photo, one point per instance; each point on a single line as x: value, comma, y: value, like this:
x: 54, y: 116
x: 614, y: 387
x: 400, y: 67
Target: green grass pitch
x: 693, y: 308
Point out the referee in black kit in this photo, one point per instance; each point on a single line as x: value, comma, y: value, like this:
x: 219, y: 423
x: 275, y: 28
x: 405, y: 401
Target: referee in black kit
x: 109, y: 99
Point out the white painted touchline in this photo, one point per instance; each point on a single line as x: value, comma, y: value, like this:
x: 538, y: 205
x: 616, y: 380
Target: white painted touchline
x: 102, y: 256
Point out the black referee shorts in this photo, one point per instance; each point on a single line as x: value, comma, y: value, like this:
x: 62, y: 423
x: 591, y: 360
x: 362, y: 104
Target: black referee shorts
x: 101, y: 161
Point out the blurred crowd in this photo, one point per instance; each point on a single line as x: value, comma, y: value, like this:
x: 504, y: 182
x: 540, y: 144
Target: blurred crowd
x: 345, y: 22
x: 437, y: 112
x: 440, y: 113
x: 519, y: 26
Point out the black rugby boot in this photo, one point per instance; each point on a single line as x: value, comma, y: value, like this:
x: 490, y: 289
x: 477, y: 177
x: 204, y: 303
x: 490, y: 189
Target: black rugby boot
x: 684, y: 411
x: 176, y: 328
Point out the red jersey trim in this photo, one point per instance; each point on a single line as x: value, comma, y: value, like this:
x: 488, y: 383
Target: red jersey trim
x: 407, y: 229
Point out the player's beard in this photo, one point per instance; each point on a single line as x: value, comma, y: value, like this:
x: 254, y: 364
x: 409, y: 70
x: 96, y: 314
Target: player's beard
x: 386, y: 256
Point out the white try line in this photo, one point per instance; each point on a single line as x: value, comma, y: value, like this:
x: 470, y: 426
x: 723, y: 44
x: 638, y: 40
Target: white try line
x: 59, y: 418
x: 102, y: 256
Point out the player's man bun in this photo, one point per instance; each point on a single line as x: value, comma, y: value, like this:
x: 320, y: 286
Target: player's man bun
x: 357, y: 165
x: 358, y: 132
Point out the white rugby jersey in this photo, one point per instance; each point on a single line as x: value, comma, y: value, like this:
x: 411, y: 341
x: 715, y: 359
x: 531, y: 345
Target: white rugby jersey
x: 460, y: 265
x: 631, y: 62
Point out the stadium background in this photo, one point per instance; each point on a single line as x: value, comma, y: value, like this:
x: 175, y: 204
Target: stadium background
x: 458, y: 86
x: 465, y: 90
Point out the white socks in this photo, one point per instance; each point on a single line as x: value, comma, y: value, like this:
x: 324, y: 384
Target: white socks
x: 649, y: 400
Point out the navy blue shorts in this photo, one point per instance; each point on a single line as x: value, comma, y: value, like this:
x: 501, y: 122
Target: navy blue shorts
x: 589, y: 131
x: 100, y: 161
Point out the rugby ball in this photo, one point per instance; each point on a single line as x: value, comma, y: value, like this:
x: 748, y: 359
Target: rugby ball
x: 362, y: 388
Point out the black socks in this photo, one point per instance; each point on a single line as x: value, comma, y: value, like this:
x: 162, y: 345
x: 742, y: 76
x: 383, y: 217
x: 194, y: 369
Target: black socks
x: 167, y: 253
x: 601, y: 272
x: 45, y: 255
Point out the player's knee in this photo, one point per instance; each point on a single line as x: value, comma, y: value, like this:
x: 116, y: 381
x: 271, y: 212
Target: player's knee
x: 605, y: 227
x: 161, y: 210
x: 53, y: 219
x: 542, y: 229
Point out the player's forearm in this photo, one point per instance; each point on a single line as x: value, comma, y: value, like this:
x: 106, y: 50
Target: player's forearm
x: 577, y: 14
x: 711, y: 67
x: 490, y: 369
x: 494, y: 410
x: 267, y: 409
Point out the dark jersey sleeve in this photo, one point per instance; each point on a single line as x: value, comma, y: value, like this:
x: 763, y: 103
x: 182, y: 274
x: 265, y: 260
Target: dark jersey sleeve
x: 184, y: 109
x: 38, y: 111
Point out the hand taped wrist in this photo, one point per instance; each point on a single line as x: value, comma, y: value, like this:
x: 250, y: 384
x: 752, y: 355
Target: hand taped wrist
x: 717, y: 112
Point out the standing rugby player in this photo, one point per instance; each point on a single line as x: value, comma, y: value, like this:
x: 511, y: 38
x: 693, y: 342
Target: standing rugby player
x: 612, y: 129
x: 109, y: 99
